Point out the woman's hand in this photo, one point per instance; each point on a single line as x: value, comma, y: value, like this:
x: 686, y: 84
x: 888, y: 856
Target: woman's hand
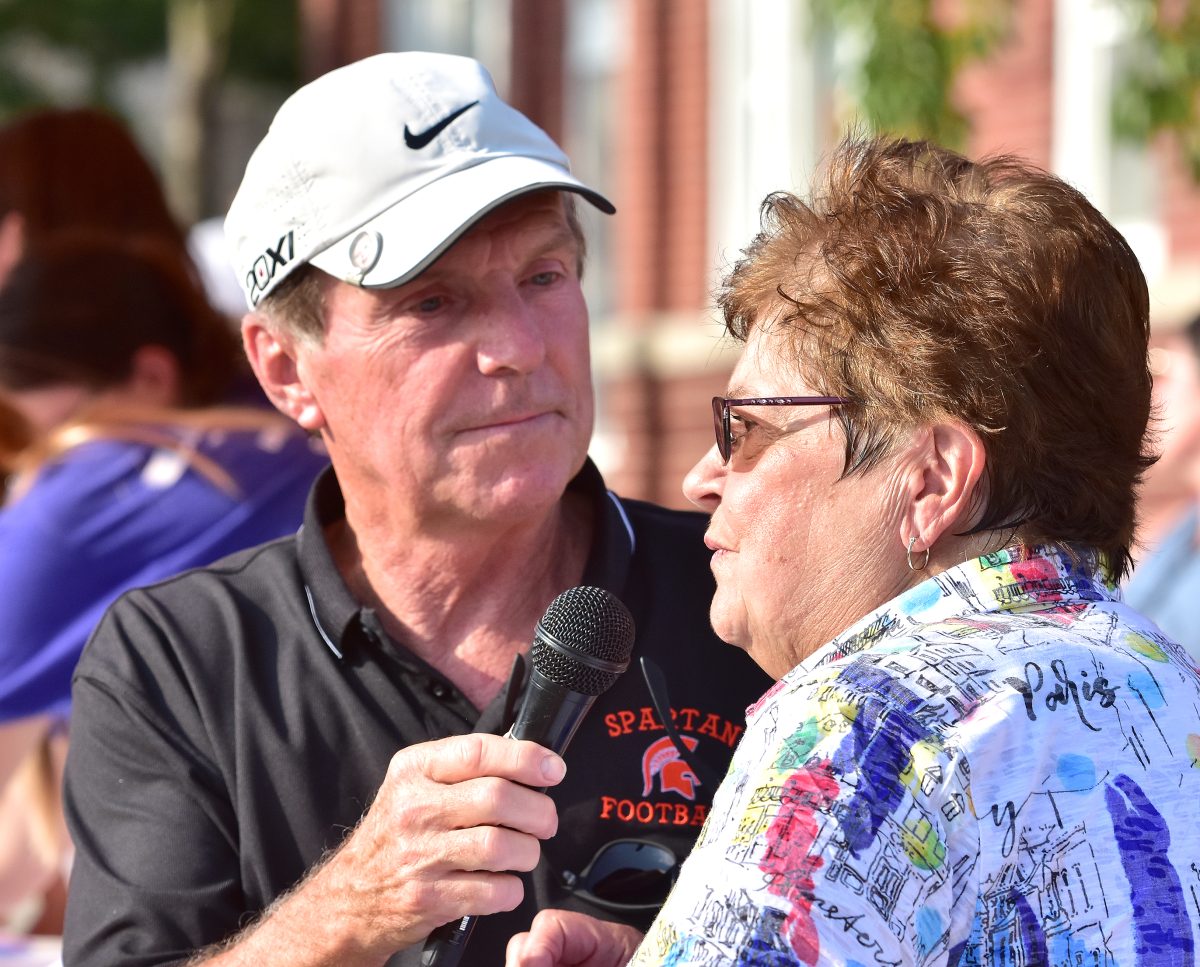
x: 559, y: 938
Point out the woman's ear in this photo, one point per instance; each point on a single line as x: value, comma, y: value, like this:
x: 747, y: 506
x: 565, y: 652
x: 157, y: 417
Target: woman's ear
x: 273, y: 357
x: 945, y: 476
x: 12, y: 242
x: 155, y: 377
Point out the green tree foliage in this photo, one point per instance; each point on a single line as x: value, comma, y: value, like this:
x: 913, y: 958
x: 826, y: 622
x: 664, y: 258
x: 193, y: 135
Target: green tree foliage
x: 204, y: 43
x: 1160, y: 88
x: 110, y: 34
x: 904, y: 77
x: 107, y: 35
x: 265, y: 42
x: 903, y: 80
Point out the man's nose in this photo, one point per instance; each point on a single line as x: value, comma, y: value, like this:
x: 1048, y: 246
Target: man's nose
x: 511, y: 334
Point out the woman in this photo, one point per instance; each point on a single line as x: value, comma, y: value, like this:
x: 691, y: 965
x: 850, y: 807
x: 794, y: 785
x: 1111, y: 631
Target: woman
x: 113, y: 359
x: 922, y: 500
x: 78, y: 168
x: 66, y: 169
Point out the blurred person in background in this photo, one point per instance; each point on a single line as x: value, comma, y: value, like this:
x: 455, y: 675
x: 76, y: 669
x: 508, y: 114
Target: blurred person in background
x: 79, y: 168
x: 15, y: 436
x: 60, y: 169
x: 922, y: 498
x: 119, y: 366
x: 1165, y: 585
x: 100, y: 382
x: 69, y: 168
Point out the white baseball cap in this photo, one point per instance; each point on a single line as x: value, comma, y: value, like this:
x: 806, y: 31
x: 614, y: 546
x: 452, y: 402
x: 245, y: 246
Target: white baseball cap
x: 373, y: 170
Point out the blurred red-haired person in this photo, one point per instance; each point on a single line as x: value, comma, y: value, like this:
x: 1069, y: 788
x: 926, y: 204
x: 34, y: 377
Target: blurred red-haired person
x: 135, y: 471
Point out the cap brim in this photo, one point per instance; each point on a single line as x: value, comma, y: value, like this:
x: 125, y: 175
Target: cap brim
x: 406, y: 238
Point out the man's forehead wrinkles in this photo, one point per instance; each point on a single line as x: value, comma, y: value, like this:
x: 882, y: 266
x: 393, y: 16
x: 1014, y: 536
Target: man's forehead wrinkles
x: 536, y: 232
x: 558, y: 236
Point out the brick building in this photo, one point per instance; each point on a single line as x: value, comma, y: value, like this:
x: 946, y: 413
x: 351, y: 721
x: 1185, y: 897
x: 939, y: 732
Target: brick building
x: 687, y: 112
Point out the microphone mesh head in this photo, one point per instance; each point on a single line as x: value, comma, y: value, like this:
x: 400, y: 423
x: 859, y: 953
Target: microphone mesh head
x: 584, y: 640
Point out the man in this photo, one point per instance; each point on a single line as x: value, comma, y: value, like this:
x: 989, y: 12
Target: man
x: 286, y: 758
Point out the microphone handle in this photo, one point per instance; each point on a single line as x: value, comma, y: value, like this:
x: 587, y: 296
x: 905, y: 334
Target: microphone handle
x: 550, y: 714
x: 444, y: 947
x: 551, y: 723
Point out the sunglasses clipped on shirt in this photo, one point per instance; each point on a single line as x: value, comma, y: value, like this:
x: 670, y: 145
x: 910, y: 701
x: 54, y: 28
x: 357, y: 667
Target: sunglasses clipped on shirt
x: 722, y: 420
x: 634, y: 875
x: 626, y: 875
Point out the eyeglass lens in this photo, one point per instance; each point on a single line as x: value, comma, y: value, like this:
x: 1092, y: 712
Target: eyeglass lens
x: 721, y: 405
x: 721, y: 426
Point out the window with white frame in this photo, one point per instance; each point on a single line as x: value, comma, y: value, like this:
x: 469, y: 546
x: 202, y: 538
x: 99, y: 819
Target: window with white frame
x: 770, y: 118
x: 1092, y: 42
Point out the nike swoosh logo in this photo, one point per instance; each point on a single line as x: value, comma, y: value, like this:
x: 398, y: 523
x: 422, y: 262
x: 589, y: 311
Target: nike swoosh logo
x: 418, y: 141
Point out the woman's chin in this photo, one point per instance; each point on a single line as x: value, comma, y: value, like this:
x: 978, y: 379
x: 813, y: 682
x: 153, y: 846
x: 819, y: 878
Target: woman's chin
x: 726, y: 627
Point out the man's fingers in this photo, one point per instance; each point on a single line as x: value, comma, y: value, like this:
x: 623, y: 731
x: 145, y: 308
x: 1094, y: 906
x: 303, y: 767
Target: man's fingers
x: 480, y: 894
x: 464, y: 757
x: 491, y: 849
x: 497, y: 802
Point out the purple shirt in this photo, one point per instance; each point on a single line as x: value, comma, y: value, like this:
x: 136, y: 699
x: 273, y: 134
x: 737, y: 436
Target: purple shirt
x: 111, y: 515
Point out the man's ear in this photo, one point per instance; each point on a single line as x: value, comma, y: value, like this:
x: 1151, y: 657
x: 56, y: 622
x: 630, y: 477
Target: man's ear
x: 945, y: 474
x: 273, y: 357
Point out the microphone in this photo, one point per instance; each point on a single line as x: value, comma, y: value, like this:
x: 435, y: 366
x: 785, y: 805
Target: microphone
x: 581, y: 646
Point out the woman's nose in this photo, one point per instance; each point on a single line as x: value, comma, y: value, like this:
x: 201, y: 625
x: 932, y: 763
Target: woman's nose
x: 703, y: 483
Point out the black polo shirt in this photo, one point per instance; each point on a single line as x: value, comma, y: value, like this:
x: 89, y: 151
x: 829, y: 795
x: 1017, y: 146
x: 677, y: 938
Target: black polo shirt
x: 231, y: 725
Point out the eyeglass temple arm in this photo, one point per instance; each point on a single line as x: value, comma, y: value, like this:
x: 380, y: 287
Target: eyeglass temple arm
x: 656, y: 684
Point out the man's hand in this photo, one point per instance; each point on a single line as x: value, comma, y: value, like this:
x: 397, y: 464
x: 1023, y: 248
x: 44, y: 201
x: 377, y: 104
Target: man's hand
x: 451, y: 821
x: 560, y: 938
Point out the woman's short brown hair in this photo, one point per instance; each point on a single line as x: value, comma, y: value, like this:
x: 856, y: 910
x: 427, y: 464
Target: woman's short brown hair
x: 929, y: 287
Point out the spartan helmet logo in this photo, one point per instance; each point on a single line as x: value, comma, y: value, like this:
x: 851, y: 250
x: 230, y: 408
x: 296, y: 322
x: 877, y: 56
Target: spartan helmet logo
x: 674, y: 775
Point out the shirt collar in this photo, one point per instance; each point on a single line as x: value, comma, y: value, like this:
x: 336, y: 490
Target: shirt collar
x: 334, y: 612
x: 337, y: 616
x: 1016, y: 579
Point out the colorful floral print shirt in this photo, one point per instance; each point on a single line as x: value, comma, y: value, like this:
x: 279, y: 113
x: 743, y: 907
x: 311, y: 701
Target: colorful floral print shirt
x: 1001, y: 766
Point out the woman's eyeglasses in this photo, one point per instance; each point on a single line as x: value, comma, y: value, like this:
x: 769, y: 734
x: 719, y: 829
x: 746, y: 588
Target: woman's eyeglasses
x: 626, y: 874
x: 721, y: 419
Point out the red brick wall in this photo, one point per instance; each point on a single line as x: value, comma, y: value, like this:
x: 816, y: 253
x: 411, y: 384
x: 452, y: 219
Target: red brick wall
x: 536, y: 62
x: 1180, y: 203
x: 661, y: 193
x: 1009, y: 100
x: 335, y: 32
x: 1009, y: 97
x: 668, y: 426
x: 660, y: 182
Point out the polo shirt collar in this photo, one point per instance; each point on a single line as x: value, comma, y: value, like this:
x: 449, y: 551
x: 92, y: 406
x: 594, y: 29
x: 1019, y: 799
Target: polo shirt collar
x: 332, y: 609
x: 341, y: 621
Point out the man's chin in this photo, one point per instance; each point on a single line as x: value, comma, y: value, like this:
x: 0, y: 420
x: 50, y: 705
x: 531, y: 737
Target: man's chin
x: 515, y: 494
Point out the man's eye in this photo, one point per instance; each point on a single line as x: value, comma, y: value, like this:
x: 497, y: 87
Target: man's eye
x: 432, y: 304
x: 544, y: 278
